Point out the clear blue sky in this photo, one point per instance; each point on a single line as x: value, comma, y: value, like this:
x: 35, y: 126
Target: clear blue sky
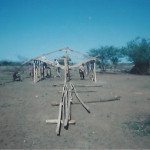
x: 29, y: 28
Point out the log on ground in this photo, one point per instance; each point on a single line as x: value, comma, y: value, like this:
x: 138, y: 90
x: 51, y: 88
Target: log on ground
x: 94, y: 101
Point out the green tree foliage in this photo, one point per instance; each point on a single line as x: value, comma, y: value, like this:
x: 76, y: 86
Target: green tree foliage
x: 138, y: 50
x: 106, y: 53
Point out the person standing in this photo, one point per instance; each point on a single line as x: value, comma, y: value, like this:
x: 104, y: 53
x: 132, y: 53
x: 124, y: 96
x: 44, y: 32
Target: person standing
x: 82, y: 71
x: 58, y: 68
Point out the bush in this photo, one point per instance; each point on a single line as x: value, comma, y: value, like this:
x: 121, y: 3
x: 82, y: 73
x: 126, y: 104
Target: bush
x: 138, y: 51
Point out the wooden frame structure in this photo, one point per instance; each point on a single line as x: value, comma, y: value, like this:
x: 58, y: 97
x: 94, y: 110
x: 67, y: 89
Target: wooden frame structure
x: 39, y: 70
x: 64, y: 115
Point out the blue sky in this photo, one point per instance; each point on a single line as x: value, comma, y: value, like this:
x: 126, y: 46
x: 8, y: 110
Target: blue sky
x: 29, y: 28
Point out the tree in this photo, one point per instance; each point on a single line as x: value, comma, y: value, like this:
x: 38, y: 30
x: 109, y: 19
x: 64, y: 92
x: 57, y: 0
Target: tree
x: 138, y: 50
x: 106, y: 53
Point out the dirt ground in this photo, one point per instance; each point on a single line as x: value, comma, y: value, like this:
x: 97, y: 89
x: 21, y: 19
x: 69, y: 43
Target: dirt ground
x: 121, y: 124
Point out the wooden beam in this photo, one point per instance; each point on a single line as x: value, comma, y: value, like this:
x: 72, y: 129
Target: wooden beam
x: 94, y: 101
x: 70, y: 101
x: 50, y: 63
x: 65, y: 80
x: 63, y: 101
x: 79, y: 52
x: 34, y: 71
x: 79, y: 58
x: 78, y: 91
x: 82, y: 85
x: 59, y: 119
x: 63, y: 107
x: 85, y: 61
x: 68, y: 109
x: 55, y: 121
x: 80, y: 100
x: 61, y: 49
x: 43, y: 71
x: 78, y: 85
x: 39, y: 70
x: 95, y: 72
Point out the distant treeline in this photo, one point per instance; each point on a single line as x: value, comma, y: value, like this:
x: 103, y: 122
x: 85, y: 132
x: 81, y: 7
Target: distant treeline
x: 11, y: 63
x: 137, y: 51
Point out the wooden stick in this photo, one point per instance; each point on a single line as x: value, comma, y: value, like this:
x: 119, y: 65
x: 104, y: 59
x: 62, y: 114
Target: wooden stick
x: 43, y: 71
x: 81, y: 85
x: 54, y: 121
x: 71, y: 91
x: 95, y: 101
x: 78, y: 91
x: 65, y: 71
x: 59, y: 119
x: 63, y: 107
x: 79, y: 64
x: 50, y: 63
x: 66, y: 107
x: 64, y: 101
x: 78, y: 52
x: 80, y: 100
x: 70, y: 100
x: 61, y: 49
x: 39, y: 70
x: 67, y: 111
x: 58, y: 74
x: 95, y: 72
x: 34, y: 71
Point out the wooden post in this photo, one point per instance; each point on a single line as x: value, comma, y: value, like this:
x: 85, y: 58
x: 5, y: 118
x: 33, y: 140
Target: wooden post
x: 59, y: 119
x: 34, y: 70
x: 66, y: 109
x: 63, y: 107
x: 65, y: 71
x: 54, y: 121
x: 63, y: 102
x: 50, y: 71
x: 39, y: 70
x: 94, y: 101
x: 95, y: 72
x: 67, y: 66
x: 43, y: 71
x: 70, y: 96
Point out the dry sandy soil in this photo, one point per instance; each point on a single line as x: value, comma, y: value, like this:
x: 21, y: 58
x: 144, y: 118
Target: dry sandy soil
x: 121, y: 124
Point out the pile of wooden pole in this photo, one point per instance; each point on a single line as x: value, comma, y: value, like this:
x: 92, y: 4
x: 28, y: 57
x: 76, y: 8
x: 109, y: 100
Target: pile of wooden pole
x: 64, y: 115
